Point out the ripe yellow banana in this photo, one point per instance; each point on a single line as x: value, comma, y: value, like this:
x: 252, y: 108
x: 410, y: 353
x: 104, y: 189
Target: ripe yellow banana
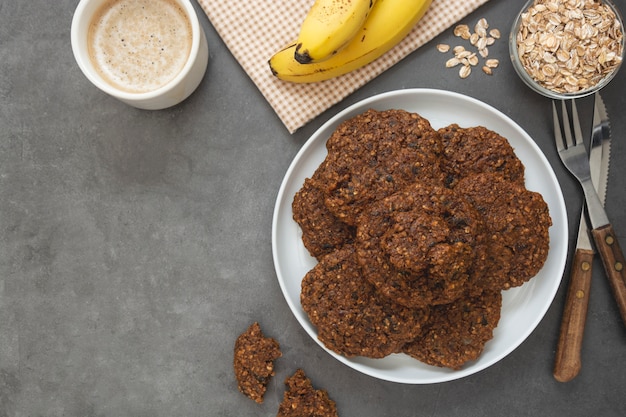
x: 329, y: 26
x: 388, y: 23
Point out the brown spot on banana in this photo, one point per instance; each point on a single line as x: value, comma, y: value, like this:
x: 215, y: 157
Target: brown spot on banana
x: 302, y: 57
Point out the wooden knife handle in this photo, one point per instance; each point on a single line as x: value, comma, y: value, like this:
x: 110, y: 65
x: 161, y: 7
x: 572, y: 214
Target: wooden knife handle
x: 567, y: 362
x: 614, y: 264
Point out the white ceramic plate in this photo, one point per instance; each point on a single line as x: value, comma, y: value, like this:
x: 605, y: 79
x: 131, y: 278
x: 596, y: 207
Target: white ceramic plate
x: 523, y: 307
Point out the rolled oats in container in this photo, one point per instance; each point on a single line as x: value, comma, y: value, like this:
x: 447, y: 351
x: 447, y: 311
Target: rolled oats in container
x: 569, y: 46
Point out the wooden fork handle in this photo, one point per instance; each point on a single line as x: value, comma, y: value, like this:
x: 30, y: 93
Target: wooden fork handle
x: 614, y: 264
x: 568, y: 362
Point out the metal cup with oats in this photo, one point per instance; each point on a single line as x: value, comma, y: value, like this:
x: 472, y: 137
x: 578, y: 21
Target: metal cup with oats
x: 567, y: 48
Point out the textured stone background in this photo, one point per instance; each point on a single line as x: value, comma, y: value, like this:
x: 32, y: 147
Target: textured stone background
x: 135, y: 246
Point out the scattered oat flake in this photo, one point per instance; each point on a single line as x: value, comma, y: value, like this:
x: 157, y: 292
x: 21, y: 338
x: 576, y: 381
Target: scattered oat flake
x: 492, y: 63
x: 462, y: 31
x: 452, y: 62
x: 480, y: 38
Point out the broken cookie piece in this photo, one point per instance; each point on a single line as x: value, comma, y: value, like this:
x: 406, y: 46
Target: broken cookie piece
x: 254, y: 362
x: 302, y: 400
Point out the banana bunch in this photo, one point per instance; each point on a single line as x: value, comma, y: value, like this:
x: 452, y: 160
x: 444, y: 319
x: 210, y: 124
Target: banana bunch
x: 329, y: 45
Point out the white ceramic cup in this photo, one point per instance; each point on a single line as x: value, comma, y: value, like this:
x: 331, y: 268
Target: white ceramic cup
x: 171, y: 93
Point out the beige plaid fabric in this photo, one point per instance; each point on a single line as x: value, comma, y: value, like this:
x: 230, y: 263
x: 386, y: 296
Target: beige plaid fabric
x: 254, y: 29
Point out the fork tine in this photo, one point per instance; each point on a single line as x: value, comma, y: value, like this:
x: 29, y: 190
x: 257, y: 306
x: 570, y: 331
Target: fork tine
x: 578, y: 134
x: 567, y: 130
x: 557, y: 128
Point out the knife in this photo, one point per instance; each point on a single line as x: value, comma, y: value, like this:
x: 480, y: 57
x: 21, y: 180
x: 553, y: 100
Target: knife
x: 568, y: 360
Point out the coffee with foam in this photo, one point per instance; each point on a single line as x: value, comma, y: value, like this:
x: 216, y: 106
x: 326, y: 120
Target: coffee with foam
x: 139, y: 46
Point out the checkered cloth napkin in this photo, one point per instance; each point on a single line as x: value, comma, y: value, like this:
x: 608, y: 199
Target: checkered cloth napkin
x: 253, y: 30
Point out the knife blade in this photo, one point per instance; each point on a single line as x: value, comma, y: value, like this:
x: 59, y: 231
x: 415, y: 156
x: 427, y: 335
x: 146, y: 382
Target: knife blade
x: 609, y: 249
x: 568, y: 353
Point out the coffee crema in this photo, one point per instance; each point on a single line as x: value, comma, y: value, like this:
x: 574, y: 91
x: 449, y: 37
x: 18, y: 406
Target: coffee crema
x: 139, y: 46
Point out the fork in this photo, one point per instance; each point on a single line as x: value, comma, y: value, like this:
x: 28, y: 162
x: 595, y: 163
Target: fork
x: 574, y: 157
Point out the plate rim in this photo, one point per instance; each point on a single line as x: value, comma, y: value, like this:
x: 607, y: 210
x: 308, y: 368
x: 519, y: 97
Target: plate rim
x: 327, y: 128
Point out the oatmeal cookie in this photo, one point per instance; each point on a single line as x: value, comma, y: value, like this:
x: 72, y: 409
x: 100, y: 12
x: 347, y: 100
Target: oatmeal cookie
x: 417, y: 246
x: 375, y: 154
x: 457, y: 332
x: 350, y: 316
x: 517, y: 222
x: 302, y: 400
x: 254, y: 362
x: 472, y: 150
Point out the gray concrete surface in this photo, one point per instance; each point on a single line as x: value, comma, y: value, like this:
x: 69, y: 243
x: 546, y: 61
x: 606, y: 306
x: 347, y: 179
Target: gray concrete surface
x: 135, y: 246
